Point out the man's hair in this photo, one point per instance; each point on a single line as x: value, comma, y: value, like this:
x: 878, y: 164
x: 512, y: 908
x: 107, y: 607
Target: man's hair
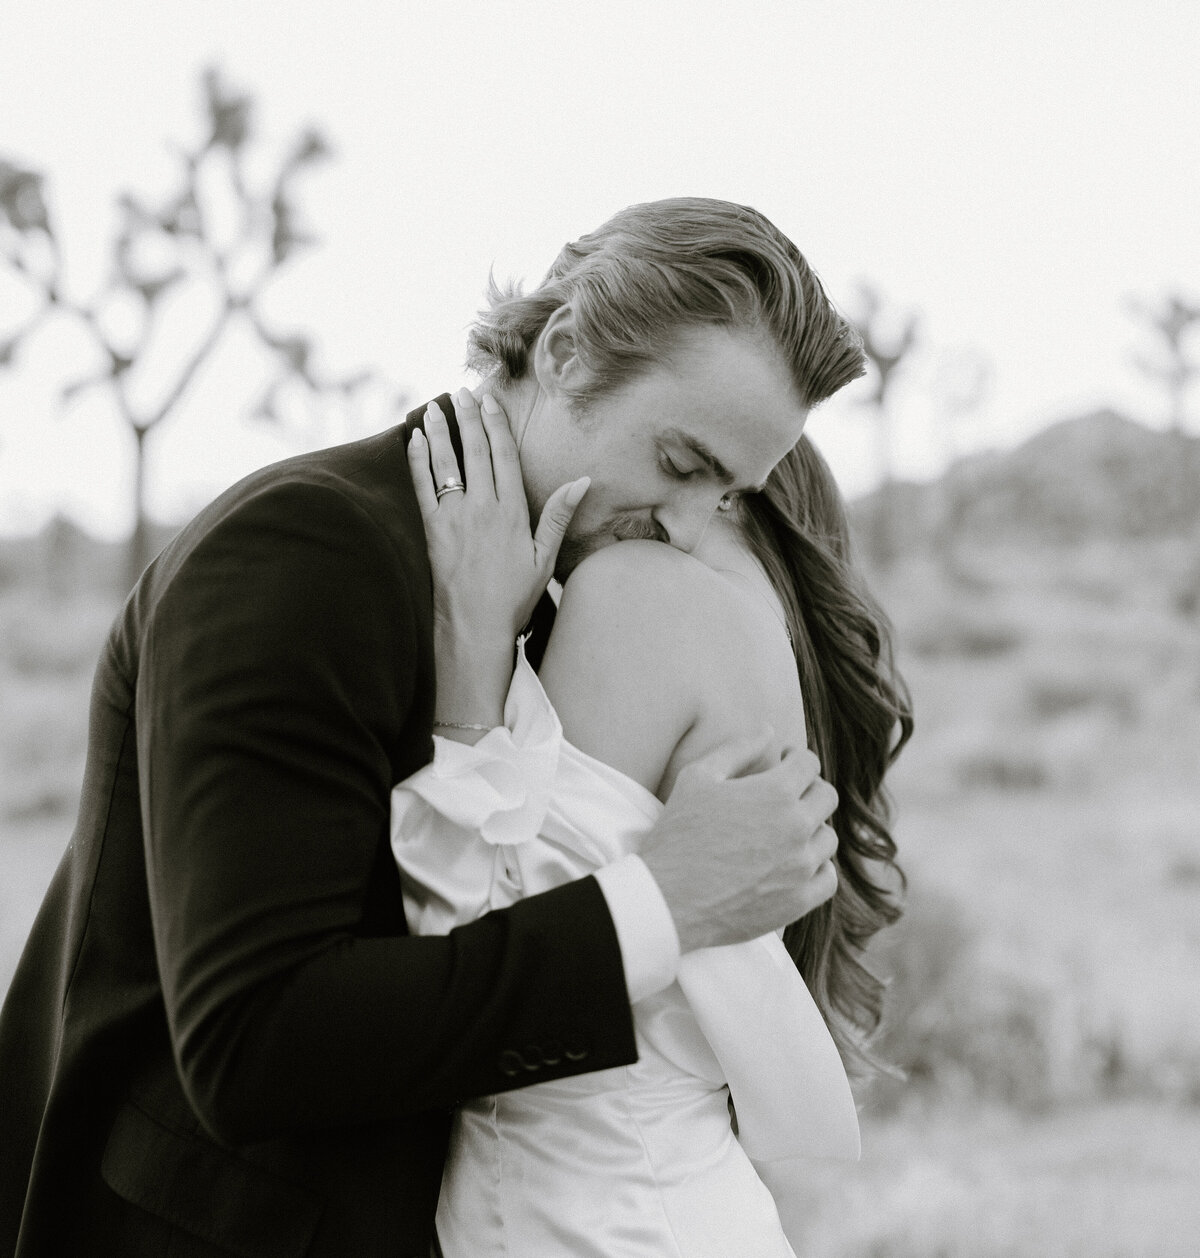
x: 657, y: 270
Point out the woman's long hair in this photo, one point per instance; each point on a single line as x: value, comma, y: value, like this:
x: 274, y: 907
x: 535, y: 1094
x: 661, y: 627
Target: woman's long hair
x: 859, y: 716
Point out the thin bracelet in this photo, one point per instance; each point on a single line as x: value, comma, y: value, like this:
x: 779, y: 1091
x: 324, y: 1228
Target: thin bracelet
x: 463, y: 725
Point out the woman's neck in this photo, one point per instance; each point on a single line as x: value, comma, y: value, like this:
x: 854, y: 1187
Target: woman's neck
x: 725, y: 550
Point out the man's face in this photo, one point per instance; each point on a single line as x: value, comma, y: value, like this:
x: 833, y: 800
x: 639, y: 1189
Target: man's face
x: 664, y: 449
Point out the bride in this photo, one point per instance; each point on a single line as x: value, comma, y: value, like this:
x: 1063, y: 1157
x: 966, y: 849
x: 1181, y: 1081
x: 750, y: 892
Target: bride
x: 656, y: 658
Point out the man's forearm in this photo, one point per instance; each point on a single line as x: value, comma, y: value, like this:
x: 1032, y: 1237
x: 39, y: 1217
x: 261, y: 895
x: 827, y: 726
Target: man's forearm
x: 370, y: 1030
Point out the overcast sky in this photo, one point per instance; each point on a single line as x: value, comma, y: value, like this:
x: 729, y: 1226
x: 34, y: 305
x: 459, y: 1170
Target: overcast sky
x: 1013, y: 169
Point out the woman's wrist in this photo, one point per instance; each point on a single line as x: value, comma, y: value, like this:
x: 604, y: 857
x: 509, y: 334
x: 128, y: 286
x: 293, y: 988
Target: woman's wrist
x: 472, y: 685
x: 465, y: 636
x: 459, y: 732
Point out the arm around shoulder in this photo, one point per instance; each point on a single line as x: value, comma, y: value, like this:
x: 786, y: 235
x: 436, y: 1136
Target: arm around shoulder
x: 278, y: 675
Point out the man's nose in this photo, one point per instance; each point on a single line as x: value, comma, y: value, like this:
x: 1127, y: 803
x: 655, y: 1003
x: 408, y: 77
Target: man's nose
x: 685, y: 521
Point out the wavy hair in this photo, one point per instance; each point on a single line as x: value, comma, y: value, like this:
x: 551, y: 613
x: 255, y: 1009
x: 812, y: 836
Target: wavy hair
x: 859, y: 716
x: 655, y: 270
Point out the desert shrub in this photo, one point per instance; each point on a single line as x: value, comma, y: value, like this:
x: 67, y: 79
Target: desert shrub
x: 1186, y: 595
x: 42, y: 801
x: 43, y: 743
x: 954, y: 1027
x: 955, y: 636
x: 1008, y: 769
x: 1100, y: 591
x: 1051, y: 697
x: 55, y: 636
x: 964, y: 1026
x: 1184, y: 871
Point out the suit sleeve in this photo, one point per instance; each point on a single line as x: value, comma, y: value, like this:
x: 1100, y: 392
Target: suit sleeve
x: 277, y: 667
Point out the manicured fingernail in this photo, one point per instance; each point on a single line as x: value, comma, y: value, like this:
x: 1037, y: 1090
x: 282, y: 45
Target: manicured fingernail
x: 490, y: 404
x: 464, y: 398
x: 577, y: 490
x: 434, y: 411
x: 417, y: 439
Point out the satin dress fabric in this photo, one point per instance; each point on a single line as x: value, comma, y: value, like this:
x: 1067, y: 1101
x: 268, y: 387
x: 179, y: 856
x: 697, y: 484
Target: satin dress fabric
x: 640, y: 1161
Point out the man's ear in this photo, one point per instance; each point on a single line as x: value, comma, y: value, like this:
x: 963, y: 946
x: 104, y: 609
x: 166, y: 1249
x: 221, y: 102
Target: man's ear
x: 556, y: 361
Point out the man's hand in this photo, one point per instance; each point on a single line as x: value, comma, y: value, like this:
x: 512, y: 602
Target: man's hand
x: 743, y: 847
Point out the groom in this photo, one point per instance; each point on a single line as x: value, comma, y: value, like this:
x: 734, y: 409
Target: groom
x: 221, y: 1038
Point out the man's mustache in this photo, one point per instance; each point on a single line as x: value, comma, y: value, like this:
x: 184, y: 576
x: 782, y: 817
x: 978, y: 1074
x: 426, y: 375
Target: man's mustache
x: 622, y: 528
x: 631, y: 528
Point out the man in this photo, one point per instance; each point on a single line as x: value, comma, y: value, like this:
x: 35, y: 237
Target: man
x: 221, y: 1038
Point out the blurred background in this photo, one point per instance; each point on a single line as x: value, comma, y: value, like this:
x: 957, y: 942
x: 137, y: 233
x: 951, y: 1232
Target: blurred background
x: 230, y: 233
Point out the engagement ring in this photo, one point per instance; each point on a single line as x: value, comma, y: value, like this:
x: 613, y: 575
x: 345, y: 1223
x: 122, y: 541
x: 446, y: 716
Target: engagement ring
x: 449, y: 486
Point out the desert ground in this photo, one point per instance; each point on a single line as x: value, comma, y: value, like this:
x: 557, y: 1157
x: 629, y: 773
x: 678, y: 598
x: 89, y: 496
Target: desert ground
x: 1044, y: 1005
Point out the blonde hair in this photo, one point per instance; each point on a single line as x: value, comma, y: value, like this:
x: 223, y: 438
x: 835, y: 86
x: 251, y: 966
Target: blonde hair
x: 655, y: 270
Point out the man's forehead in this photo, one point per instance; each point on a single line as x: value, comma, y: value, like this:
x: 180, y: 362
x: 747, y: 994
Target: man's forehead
x: 741, y: 456
x: 731, y: 398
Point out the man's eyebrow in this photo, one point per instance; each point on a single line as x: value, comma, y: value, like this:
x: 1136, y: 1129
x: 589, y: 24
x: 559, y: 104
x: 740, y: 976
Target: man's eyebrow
x: 710, y: 460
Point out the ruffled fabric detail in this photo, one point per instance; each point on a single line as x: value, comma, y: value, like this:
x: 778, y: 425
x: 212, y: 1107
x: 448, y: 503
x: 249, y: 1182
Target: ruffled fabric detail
x: 499, y: 787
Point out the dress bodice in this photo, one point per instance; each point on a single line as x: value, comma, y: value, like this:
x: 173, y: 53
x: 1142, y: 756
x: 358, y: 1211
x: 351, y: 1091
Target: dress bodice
x: 639, y: 1160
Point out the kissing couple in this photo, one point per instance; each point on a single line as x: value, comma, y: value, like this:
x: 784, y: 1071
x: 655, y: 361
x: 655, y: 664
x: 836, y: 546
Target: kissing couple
x: 407, y: 913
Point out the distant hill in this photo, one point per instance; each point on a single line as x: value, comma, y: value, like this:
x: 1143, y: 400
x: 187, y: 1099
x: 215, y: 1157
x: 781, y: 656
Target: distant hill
x: 1097, y: 476
x: 64, y: 557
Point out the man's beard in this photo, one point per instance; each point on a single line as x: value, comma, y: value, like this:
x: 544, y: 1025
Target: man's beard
x: 576, y: 547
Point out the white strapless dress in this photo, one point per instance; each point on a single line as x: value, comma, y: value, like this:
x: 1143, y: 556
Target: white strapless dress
x: 639, y: 1161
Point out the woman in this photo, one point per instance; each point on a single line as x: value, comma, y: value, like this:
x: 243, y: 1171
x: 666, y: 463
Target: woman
x: 657, y: 657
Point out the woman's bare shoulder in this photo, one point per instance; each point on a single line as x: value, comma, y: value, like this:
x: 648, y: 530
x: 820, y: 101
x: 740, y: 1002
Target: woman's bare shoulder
x: 639, y: 573
x: 648, y: 644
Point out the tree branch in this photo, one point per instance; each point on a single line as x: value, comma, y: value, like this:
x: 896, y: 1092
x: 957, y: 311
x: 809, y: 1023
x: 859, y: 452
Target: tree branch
x: 202, y: 351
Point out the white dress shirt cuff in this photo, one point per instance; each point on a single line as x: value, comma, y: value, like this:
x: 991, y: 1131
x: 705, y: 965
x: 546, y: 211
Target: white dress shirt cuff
x: 645, y: 930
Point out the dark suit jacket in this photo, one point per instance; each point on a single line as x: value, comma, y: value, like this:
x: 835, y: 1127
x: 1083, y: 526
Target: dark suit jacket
x: 220, y: 1038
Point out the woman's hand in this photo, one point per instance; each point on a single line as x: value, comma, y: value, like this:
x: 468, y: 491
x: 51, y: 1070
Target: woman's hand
x: 489, y: 570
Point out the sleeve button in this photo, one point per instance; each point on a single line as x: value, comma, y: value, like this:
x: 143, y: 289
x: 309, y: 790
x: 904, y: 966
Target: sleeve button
x: 532, y: 1059
x: 575, y: 1050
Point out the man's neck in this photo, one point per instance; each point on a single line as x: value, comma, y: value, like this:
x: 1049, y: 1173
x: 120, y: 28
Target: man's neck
x: 519, y: 400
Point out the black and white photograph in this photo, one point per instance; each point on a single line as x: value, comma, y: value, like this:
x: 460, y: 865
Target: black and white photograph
x: 599, y: 629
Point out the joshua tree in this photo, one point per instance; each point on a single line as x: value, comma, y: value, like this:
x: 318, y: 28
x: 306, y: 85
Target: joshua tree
x: 960, y: 385
x: 1179, y: 364
x: 886, y: 350
x: 174, y: 246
